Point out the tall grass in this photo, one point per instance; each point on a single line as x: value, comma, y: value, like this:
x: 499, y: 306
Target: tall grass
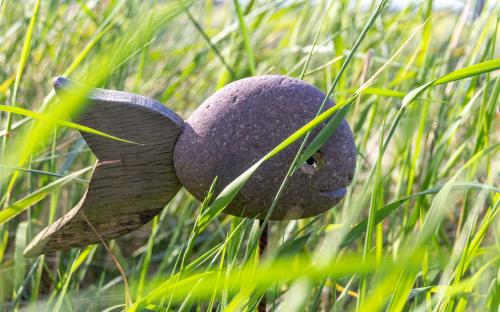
x: 418, y: 229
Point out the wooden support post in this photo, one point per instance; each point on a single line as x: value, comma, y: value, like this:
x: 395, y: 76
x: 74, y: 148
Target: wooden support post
x: 262, y: 249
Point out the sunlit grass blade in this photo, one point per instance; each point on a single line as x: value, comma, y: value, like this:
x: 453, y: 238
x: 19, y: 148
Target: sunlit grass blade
x: 29, y: 200
x: 469, y: 71
x: 201, y: 285
x: 25, y: 52
x: 41, y: 172
x: 81, y: 257
x: 382, y: 213
x: 460, y: 74
x: 246, y: 37
x: 380, y: 92
x: 64, y: 123
x: 323, y: 136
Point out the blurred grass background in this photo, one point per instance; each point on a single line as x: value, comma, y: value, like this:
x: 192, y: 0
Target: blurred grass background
x: 418, y: 230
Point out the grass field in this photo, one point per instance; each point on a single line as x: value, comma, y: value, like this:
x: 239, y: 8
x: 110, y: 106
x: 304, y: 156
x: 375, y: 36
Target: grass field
x: 419, y: 229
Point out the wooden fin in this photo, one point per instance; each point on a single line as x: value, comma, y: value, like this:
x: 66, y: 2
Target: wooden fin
x: 131, y: 182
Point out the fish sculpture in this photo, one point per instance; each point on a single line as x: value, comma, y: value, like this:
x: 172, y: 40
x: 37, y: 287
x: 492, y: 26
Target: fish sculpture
x: 223, y: 137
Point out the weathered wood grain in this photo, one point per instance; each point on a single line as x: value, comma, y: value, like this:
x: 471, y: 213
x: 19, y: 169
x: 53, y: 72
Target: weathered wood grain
x: 131, y: 183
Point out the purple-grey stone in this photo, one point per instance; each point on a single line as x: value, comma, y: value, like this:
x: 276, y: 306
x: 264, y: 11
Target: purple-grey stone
x: 243, y: 121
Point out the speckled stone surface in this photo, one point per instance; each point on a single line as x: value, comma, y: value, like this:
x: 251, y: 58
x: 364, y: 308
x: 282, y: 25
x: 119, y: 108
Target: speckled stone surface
x: 243, y: 121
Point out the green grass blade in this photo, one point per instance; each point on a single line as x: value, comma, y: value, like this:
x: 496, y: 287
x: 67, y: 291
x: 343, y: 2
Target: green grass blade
x: 48, y: 118
x: 21, y: 205
x: 469, y: 71
x: 246, y: 37
x: 382, y: 213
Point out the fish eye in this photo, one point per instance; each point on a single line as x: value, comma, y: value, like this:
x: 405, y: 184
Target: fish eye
x: 311, y: 162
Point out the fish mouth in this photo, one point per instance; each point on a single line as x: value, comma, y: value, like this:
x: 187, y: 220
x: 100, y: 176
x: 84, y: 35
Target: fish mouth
x: 338, y: 193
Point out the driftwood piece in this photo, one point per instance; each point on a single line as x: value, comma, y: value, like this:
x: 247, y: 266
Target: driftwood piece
x: 131, y: 182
